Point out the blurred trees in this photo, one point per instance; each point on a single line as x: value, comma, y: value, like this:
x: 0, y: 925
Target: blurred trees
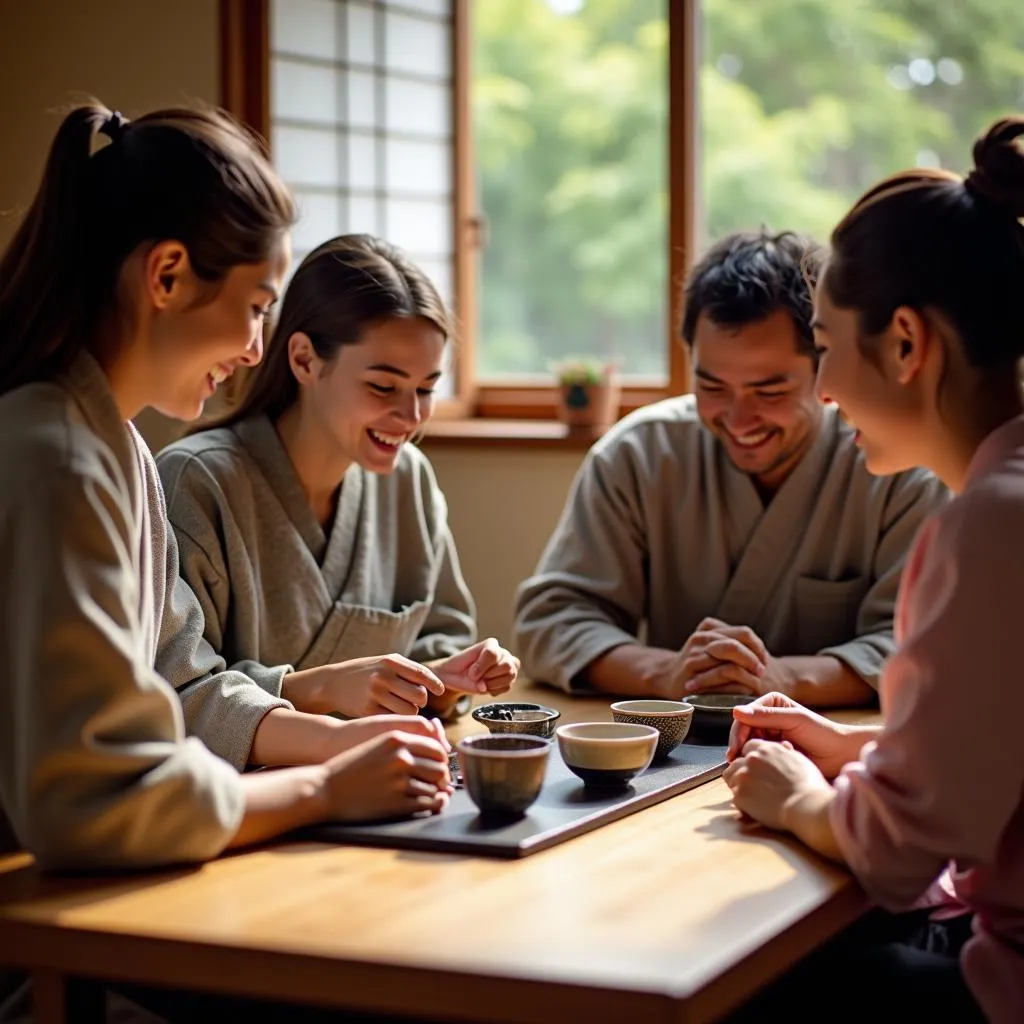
x: 804, y: 103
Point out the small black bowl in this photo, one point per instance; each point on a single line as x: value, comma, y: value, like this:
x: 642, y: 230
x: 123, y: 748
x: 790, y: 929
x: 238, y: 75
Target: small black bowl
x: 712, y: 714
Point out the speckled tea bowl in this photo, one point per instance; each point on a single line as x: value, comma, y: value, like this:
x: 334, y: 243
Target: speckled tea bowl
x: 670, y: 717
x: 531, y: 719
x: 503, y: 774
x: 607, y: 753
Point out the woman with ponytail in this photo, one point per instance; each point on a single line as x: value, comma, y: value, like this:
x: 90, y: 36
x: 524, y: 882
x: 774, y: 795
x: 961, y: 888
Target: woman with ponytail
x: 920, y: 330
x: 141, y: 277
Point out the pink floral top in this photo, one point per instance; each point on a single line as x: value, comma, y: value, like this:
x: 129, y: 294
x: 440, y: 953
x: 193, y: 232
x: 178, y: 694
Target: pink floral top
x: 943, y: 786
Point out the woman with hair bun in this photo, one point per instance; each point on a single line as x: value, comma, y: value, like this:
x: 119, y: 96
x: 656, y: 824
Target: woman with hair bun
x: 918, y: 318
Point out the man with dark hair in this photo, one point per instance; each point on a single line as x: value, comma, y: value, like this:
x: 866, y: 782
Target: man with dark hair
x: 736, y: 529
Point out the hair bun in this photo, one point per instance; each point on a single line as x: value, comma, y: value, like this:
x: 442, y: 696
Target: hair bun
x: 998, y: 174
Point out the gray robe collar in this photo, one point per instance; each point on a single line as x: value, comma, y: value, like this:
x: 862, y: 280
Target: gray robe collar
x: 90, y: 388
x: 771, y: 535
x: 332, y: 555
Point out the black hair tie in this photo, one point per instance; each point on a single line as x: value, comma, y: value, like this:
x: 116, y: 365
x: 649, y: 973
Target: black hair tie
x: 114, y: 126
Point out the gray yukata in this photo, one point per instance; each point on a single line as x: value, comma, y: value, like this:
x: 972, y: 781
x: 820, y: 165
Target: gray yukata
x: 660, y: 530
x: 95, y: 767
x: 275, y: 587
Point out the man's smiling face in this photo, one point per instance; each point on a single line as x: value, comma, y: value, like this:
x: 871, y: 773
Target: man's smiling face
x: 756, y: 394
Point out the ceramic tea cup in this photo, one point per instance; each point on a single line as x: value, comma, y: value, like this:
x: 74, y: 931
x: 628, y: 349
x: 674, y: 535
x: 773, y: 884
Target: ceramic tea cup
x: 670, y: 717
x: 712, y: 714
x: 518, y: 717
x: 503, y: 774
x: 607, y: 753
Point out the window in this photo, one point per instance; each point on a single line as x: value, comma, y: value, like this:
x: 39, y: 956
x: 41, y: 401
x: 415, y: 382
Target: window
x: 368, y: 105
x: 570, y: 125
x: 361, y: 111
x: 557, y: 165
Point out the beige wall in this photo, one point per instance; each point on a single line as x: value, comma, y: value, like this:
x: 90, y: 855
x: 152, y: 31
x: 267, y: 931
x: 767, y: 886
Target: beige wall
x: 133, y: 55
x: 502, y: 505
x: 136, y: 55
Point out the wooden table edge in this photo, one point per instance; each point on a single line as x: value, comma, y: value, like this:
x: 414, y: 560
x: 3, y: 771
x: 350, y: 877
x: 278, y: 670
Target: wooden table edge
x: 350, y: 984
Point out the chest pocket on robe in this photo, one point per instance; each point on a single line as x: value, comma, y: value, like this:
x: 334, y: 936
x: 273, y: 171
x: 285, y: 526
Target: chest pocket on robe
x: 826, y: 611
x: 356, y: 631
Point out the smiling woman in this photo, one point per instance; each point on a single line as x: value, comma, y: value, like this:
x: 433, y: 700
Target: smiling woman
x: 312, y: 530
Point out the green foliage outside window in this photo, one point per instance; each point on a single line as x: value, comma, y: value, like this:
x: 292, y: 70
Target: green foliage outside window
x: 803, y: 104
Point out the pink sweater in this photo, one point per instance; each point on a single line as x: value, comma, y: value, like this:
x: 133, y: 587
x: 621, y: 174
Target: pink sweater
x: 944, y: 783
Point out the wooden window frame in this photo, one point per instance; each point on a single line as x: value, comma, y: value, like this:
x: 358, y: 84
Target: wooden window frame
x: 245, y: 62
x: 245, y: 92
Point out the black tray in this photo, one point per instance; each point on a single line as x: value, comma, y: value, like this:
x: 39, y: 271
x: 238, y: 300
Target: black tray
x: 564, y: 809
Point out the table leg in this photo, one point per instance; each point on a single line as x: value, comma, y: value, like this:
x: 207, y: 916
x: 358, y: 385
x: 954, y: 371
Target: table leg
x: 60, y: 999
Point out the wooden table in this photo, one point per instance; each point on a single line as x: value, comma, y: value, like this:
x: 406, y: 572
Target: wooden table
x: 675, y: 913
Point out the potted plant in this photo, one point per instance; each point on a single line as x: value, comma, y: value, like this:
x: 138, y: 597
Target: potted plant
x: 588, y: 392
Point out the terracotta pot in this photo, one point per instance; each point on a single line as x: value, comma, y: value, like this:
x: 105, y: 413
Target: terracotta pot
x: 589, y: 405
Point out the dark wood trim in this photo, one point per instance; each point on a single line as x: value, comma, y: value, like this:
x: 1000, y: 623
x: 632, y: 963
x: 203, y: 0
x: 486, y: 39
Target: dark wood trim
x: 683, y: 174
x: 539, y: 403
x: 245, y: 62
x: 509, y: 433
x: 245, y: 92
x: 466, y: 217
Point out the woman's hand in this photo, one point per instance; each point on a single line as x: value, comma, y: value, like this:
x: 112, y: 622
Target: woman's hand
x: 392, y: 775
x: 362, y: 730
x: 388, y: 684
x: 486, y: 667
x: 780, y: 788
x: 766, y: 776
x: 778, y: 717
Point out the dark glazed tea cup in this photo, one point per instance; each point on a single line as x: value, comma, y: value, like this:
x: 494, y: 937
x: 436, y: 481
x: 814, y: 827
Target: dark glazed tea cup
x: 503, y: 774
x: 518, y: 717
x: 712, y: 714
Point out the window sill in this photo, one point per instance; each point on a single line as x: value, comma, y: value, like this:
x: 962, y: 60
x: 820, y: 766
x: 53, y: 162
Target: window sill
x: 500, y: 433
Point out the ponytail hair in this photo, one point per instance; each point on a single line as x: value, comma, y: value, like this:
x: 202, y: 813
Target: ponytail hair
x: 195, y: 176
x: 930, y: 239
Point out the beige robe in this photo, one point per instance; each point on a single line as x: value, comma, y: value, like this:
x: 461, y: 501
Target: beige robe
x: 661, y: 530
x: 95, y: 766
x: 275, y: 587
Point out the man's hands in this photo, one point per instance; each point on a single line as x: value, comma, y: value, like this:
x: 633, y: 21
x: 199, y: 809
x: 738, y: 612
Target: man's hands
x: 721, y: 658
x: 724, y: 658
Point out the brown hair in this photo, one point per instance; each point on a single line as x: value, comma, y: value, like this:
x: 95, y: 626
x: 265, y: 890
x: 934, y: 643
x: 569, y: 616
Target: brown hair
x: 338, y: 291
x: 191, y: 175
x: 929, y: 239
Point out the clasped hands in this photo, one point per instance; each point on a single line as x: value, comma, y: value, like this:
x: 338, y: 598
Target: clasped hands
x: 721, y: 658
x: 782, y: 758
